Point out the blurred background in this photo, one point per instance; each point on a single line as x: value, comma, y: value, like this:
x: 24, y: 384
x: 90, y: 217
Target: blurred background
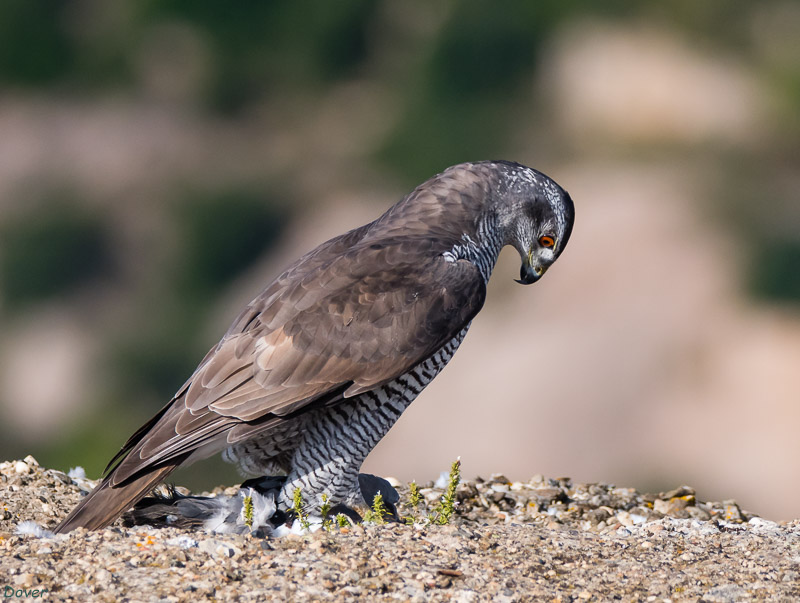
x: 162, y: 160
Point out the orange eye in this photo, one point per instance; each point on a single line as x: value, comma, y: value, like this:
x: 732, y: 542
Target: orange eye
x: 547, y: 241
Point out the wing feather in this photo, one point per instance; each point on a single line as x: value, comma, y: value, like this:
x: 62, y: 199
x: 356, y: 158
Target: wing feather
x: 328, y: 327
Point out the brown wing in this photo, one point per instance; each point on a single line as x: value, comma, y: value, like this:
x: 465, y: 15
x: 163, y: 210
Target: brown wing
x: 334, y: 325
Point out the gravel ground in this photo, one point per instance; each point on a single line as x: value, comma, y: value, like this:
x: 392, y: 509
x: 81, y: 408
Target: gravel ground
x: 543, y: 539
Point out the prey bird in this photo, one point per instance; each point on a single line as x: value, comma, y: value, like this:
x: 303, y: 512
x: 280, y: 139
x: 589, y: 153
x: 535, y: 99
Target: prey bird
x: 320, y: 365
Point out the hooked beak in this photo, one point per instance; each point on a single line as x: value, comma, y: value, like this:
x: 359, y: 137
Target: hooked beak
x: 529, y: 272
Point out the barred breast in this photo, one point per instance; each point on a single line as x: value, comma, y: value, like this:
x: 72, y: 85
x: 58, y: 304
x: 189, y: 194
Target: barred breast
x: 335, y: 441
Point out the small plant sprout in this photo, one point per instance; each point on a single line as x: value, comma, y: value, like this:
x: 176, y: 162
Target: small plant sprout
x: 415, y: 497
x: 325, y: 509
x: 341, y: 520
x: 446, y: 507
x: 247, y: 510
x: 379, y: 510
x: 298, y: 509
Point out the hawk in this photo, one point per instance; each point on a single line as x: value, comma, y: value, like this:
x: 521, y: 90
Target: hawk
x: 320, y: 365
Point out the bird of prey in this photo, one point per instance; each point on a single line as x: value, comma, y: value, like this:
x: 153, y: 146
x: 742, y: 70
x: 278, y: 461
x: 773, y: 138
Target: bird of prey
x: 320, y: 365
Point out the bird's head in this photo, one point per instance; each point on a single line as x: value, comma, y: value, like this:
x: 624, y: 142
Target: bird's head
x: 535, y: 215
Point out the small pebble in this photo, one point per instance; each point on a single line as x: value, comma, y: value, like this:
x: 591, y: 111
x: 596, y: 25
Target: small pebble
x: 551, y: 539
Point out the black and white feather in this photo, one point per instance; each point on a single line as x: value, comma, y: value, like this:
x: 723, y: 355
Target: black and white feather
x: 226, y: 514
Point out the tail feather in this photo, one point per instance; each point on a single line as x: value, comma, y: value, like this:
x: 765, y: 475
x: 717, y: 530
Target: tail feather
x: 106, y: 502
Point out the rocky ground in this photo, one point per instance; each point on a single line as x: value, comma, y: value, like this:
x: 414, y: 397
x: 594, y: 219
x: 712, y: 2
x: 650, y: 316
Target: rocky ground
x: 543, y: 539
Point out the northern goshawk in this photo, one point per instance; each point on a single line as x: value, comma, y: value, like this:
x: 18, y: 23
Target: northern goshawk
x: 320, y: 365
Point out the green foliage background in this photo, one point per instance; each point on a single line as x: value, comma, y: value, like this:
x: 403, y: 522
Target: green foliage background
x: 456, y: 75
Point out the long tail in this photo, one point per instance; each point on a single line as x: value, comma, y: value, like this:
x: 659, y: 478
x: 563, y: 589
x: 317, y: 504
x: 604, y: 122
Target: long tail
x: 106, y: 502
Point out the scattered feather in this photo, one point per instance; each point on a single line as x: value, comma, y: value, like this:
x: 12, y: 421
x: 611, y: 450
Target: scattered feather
x: 32, y: 528
x: 442, y: 481
x: 184, y: 542
x: 77, y: 473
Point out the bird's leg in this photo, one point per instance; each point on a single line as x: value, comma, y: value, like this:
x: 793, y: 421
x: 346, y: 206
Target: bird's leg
x: 323, y: 468
x: 334, y: 445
